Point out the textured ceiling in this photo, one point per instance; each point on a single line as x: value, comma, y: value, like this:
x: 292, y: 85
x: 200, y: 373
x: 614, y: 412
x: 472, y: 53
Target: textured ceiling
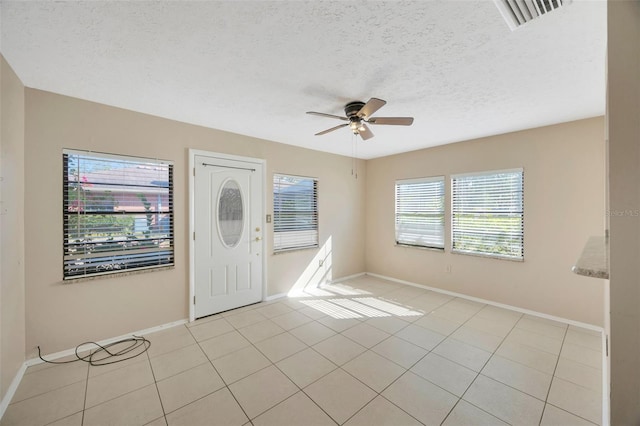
x: 255, y: 67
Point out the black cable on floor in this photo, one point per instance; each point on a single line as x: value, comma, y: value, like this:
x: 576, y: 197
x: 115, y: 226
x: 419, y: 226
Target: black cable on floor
x: 101, y: 353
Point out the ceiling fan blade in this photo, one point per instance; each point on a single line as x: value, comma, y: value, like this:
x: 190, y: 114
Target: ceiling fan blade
x: 366, y: 133
x: 322, y: 114
x: 394, y: 121
x: 371, y: 107
x: 339, y: 126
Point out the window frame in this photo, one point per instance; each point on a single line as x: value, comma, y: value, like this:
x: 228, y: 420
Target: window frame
x: 455, y: 198
x: 129, y: 259
x: 429, y: 179
x: 314, y: 240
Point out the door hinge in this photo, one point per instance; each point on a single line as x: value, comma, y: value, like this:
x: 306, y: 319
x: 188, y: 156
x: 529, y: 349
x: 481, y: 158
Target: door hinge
x: 194, y: 235
x: 606, y: 345
x: 194, y: 171
x: 194, y: 300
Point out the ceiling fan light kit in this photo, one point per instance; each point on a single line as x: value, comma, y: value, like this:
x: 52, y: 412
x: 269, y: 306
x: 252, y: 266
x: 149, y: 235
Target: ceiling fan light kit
x: 358, y: 115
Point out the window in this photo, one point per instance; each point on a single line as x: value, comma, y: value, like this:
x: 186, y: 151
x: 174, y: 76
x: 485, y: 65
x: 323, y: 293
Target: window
x: 118, y: 214
x: 488, y: 214
x: 295, y: 212
x: 420, y: 212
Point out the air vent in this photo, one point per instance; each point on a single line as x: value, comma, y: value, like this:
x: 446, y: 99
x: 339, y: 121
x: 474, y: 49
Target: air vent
x: 519, y: 12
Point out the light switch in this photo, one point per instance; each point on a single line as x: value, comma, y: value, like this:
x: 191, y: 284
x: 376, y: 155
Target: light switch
x: 268, y: 218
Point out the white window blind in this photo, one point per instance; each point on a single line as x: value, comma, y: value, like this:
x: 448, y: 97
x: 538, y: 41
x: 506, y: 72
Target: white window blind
x: 488, y: 214
x: 295, y: 212
x: 420, y: 212
x: 118, y: 214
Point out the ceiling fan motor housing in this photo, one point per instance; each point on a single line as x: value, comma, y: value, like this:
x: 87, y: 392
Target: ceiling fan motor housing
x: 358, y: 115
x: 352, y: 108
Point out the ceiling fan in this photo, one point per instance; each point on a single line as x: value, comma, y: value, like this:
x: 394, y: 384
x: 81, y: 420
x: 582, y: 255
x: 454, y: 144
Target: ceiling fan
x: 358, y: 115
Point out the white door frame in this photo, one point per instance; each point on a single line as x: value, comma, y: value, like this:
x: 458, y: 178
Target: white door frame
x: 192, y: 260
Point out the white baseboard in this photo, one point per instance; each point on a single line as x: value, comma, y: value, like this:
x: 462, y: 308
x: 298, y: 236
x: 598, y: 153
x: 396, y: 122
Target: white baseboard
x: 605, y: 386
x: 275, y: 296
x: 8, y: 396
x: 67, y: 352
x: 34, y: 361
x: 6, y: 400
x: 492, y: 303
x: 348, y: 277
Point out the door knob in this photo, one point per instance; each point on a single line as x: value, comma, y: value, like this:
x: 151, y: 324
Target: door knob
x: 258, y: 238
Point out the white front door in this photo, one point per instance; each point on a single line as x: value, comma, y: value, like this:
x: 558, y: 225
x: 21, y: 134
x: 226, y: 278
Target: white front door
x: 228, y: 234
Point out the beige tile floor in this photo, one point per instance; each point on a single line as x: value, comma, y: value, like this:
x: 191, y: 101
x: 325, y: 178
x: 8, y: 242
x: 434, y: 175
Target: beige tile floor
x: 363, y: 352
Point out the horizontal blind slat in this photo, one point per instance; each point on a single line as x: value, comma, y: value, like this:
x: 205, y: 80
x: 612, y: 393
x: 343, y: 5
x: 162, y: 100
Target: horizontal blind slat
x: 420, y: 212
x: 118, y: 213
x: 295, y: 215
x: 488, y: 214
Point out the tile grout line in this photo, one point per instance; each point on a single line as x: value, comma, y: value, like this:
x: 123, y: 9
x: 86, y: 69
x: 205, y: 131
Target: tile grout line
x: 393, y: 334
x: 341, y: 367
x: 155, y: 382
x: 483, y: 366
x: 302, y: 389
x: 86, y: 390
x: 226, y: 386
x: 288, y: 378
x: 528, y: 347
x: 118, y: 396
x: 573, y: 414
x: 413, y: 365
x: 252, y: 344
x: 421, y: 358
x: 484, y: 411
x: 553, y: 375
x: 86, y: 380
x: 440, y: 342
x: 378, y: 394
x: 545, y: 402
x: 477, y: 373
x: 285, y: 374
x: 41, y: 393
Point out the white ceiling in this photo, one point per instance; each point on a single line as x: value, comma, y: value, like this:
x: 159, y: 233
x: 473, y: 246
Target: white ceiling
x: 255, y: 67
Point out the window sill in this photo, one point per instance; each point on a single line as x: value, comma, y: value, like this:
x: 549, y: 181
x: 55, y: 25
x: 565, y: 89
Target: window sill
x: 488, y: 256
x: 295, y: 249
x: 82, y: 279
x: 436, y: 249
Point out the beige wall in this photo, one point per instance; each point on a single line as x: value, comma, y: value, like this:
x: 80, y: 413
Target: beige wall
x: 12, y: 285
x: 564, y: 205
x: 564, y: 181
x: 623, y: 115
x: 60, y: 315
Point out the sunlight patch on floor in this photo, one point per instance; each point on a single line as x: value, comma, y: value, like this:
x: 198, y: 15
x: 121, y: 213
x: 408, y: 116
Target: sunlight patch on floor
x: 365, y: 310
x: 391, y: 308
x: 344, y: 290
x: 357, y: 307
x: 331, y: 309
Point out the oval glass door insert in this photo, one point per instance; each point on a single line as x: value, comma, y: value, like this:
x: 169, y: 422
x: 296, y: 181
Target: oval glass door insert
x: 230, y: 214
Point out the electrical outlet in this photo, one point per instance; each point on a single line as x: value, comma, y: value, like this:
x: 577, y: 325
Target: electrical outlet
x: 448, y: 269
x: 320, y: 263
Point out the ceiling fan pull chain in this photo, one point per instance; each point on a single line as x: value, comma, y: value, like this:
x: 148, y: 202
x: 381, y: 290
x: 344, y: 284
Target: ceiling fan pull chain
x: 354, y: 155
